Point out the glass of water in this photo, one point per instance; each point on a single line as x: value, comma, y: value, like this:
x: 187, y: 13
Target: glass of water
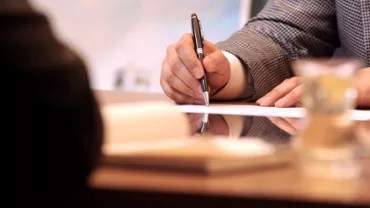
x: 327, y: 144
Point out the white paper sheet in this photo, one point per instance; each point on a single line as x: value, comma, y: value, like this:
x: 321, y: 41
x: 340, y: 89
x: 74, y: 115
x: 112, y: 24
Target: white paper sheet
x: 253, y: 110
x: 230, y: 109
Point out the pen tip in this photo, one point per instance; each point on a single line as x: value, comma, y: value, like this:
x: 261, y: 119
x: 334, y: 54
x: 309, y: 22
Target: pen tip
x: 206, y: 98
x: 193, y: 15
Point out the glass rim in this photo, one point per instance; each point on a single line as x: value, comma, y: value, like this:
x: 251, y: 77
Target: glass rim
x: 319, y: 66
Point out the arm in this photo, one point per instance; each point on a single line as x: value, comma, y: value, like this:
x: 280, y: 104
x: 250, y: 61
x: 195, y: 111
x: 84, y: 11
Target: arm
x: 263, y: 127
x: 240, y: 84
x: 281, y: 32
x: 59, y: 127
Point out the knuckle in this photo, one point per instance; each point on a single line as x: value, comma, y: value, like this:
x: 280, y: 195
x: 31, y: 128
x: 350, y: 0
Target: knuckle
x: 167, y: 90
x: 295, y: 94
x: 179, y: 45
x: 164, y: 65
x: 175, y: 65
x: 185, y: 40
x: 285, y: 81
x: 172, y: 61
x: 182, y: 100
x: 298, y: 104
x: 187, y: 37
x: 167, y: 77
x: 192, y: 64
x: 208, y: 65
x: 275, y: 92
x: 165, y: 72
x: 171, y: 94
x: 295, y: 80
x: 210, y: 59
x: 170, y: 49
x: 161, y: 82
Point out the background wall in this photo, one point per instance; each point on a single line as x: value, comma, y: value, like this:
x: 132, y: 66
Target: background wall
x: 124, y: 41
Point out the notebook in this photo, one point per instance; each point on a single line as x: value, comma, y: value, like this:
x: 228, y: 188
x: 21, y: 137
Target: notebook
x: 204, y: 156
x: 156, y: 136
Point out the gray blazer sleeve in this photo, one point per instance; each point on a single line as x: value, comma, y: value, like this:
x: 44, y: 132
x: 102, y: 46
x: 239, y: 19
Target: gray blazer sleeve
x: 262, y: 127
x: 283, y: 31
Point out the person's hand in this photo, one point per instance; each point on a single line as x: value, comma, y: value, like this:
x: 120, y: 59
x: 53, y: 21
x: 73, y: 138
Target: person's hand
x: 363, y: 87
x: 181, y: 71
x: 287, y: 94
x: 195, y: 121
x: 216, y: 124
x: 290, y: 92
x: 289, y: 125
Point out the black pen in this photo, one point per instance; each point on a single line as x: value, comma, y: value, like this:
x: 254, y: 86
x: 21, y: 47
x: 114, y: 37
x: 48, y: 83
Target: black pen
x: 198, y: 46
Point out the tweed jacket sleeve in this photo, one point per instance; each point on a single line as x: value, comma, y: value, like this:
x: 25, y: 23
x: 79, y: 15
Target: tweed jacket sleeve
x: 262, y: 127
x: 282, y: 32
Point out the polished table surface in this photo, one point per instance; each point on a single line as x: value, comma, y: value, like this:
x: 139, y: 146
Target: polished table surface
x: 279, y: 183
x: 107, y: 96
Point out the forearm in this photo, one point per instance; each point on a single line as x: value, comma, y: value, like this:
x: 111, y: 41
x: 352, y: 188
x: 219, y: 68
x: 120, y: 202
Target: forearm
x: 265, y: 62
x: 240, y: 85
x: 262, y: 127
x: 282, y: 32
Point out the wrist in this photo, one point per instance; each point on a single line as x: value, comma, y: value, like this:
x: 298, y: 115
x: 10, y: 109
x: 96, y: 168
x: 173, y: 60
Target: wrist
x: 235, y: 86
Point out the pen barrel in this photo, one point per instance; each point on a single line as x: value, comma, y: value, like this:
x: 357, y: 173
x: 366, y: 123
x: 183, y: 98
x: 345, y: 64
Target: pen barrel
x: 200, y: 56
x: 198, y: 47
x: 204, y: 83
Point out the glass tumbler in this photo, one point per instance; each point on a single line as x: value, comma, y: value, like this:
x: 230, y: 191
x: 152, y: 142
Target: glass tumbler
x: 327, y: 144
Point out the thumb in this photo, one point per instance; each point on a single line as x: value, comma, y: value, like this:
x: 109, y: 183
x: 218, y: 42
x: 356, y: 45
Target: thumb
x: 209, y: 47
x: 216, y: 62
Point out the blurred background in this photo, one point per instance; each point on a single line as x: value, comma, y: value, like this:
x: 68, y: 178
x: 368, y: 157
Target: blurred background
x: 123, y: 42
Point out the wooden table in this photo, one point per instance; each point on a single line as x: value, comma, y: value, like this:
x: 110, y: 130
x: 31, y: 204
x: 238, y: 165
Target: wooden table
x: 281, y: 186
x: 106, y: 96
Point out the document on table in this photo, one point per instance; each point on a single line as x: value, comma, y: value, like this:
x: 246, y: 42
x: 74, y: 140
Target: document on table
x: 252, y: 110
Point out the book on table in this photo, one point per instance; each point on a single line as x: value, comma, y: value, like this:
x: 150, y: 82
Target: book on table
x: 156, y: 136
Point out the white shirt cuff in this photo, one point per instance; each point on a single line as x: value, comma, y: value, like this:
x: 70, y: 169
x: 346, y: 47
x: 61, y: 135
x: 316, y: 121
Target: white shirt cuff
x: 235, y: 88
